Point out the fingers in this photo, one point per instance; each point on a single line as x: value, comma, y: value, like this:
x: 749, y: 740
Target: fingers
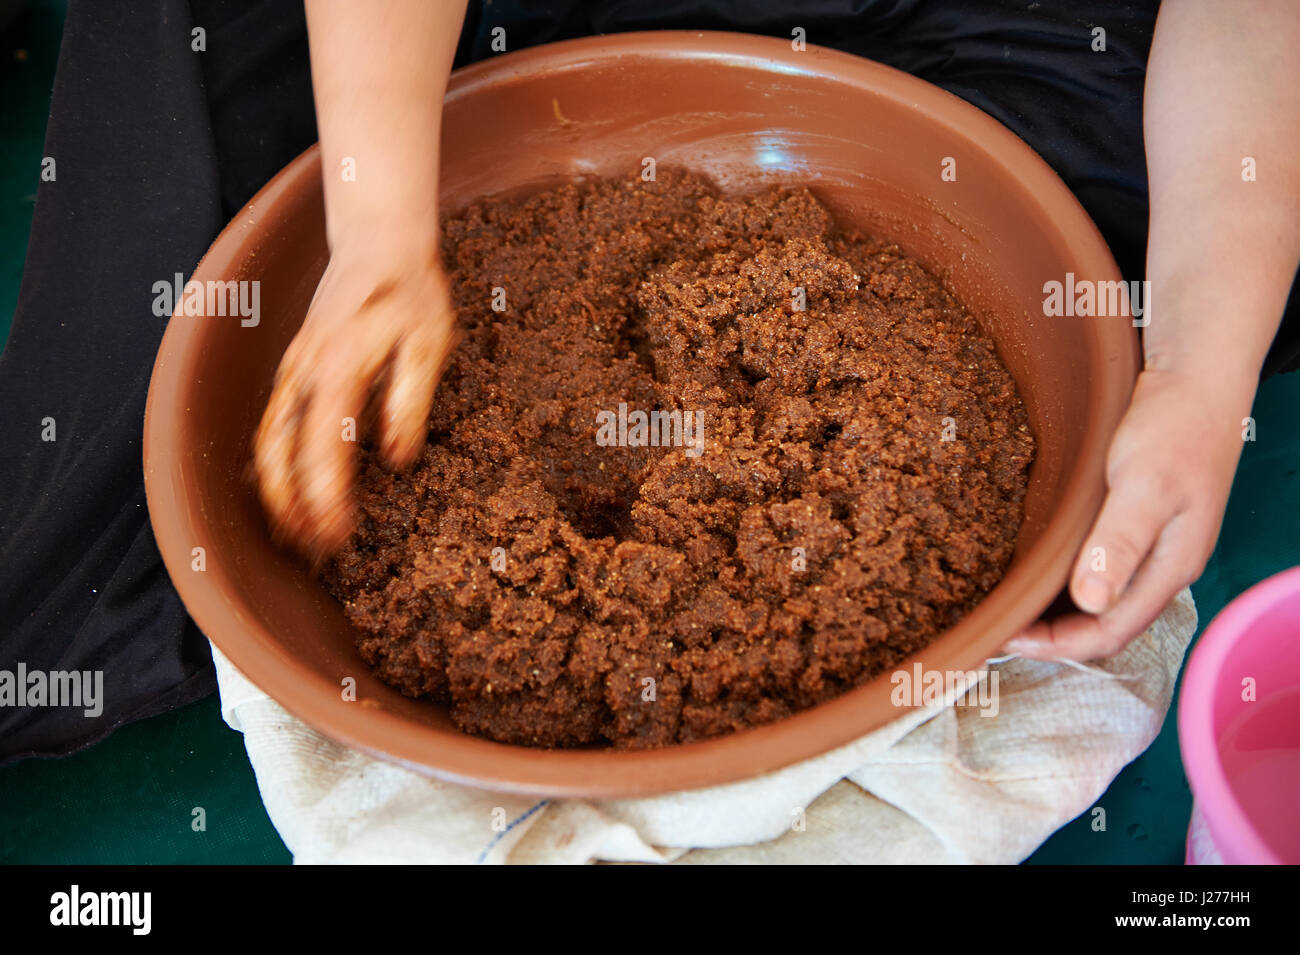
x: 326, y: 460
x: 1135, y: 512
x: 305, y: 450
x: 1158, y: 525
x: 1172, y: 564
x: 413, y: 379
x: 274, y: 450
x: 1120, y: 580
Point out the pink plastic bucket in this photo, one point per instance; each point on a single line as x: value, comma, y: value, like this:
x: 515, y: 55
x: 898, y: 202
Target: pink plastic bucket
x: 1239, y: 726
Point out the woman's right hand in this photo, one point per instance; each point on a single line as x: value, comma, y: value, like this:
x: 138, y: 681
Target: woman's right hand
x: 381, y: 323
x: 381, y: 319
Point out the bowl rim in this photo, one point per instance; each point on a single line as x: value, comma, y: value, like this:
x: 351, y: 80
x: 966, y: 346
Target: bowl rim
x: 1198, y: 741
x: 1021, y: 596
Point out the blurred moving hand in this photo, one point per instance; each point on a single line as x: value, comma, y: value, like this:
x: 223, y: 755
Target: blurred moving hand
x: 375, y: 337
x: 381, y: 323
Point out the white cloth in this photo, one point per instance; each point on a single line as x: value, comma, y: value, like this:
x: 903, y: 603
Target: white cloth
x: 941, y: 784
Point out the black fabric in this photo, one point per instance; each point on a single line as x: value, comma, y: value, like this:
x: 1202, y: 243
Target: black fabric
x: 158, y: 145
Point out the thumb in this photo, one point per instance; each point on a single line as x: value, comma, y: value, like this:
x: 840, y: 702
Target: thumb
x: 1131, y: 519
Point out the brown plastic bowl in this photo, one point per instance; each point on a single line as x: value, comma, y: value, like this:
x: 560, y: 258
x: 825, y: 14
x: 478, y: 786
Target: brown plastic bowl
x: 746, y: 110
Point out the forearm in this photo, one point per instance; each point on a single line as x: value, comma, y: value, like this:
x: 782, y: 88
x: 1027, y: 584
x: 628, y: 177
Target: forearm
x: 379, y: 73
x: 1222, y: 251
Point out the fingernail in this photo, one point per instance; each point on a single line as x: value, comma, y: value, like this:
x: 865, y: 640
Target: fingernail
x: 1094, y: 595
x: 1020, y: 645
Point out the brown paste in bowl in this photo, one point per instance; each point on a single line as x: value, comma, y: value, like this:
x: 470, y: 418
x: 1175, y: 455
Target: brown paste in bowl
x: 709, y: 461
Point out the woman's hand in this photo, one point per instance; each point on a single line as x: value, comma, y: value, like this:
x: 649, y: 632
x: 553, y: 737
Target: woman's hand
x: 376, y: 336
x: 1168, y: 472
x: 1221, y: 256
x: 381, y: 322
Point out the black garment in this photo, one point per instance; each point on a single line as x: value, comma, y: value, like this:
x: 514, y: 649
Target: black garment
x: 158, y: 145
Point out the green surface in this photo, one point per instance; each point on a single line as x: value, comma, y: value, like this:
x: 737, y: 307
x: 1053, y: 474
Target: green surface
x: 130, y: 799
